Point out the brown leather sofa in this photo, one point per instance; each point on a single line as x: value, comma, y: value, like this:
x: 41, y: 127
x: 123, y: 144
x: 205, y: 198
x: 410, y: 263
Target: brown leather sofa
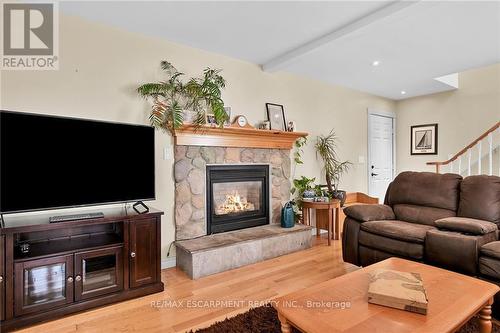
x: 439, y: 219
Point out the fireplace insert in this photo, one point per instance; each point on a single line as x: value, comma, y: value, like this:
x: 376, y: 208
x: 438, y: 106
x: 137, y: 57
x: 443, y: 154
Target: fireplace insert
x: 237, y: 197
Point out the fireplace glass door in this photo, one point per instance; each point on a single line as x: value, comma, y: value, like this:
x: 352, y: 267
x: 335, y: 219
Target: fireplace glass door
x: 234, y: 198
x: 237, y: 197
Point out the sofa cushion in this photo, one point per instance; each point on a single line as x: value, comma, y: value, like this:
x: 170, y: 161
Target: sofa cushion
x: 466, y: 225
x: 491, y: 250
x: 425, y: 189
x: 480, y: 198
x: 395, y: 229
x: 421, y: 214
x: 390, y: 245
x: 364, y: 213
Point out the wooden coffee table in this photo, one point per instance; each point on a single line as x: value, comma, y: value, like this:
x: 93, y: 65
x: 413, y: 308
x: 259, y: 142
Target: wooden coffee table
x: 340, y: 305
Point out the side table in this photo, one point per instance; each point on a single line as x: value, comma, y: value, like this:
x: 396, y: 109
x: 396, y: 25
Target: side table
x: 333, y: 207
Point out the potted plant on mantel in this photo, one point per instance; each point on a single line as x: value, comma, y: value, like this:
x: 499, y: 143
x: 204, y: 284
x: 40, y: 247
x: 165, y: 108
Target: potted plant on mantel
x: 326, y: 147
x: 171, y: 98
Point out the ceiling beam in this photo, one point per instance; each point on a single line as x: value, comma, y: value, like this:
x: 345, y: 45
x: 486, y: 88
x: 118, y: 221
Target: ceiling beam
x: 286, y: 58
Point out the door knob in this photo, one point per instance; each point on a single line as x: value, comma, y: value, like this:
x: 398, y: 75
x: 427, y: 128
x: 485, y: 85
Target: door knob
x: 132, y: 254
x: 70, y: 279
x: 374, y: 174
x: 1, y: 279
x: 78, y: 278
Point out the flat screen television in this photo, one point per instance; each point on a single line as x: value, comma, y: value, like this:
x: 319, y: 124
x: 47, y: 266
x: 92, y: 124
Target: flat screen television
x: 51, y: 162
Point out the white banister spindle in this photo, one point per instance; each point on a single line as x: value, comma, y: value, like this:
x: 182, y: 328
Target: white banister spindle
x: 451, y: 163
x: 480, y: 157
x: 469, y: 157
x: 490, y: 152
x: 460, y: 165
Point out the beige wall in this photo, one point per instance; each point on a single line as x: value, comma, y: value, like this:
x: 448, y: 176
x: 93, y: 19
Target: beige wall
x: 463, y: 115
x: 100, y: 67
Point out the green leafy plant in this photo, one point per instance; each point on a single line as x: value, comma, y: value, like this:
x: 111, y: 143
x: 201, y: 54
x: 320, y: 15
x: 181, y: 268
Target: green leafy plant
x: 302, y: 184
x: 326, y: 148
x: 297, y: 157
x: 172, y: 97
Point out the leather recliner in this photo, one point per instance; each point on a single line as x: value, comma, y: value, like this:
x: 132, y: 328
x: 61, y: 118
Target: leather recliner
x: 439, y: 219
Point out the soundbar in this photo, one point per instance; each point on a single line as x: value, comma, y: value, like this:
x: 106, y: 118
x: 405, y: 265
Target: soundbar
x: 65, y: 218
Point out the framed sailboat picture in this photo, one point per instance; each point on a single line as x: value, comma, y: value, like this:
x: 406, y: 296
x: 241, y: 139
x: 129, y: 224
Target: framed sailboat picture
x: 424, y: 139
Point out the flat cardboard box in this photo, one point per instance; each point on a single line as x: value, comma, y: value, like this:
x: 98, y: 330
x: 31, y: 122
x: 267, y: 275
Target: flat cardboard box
x: 399, y: 290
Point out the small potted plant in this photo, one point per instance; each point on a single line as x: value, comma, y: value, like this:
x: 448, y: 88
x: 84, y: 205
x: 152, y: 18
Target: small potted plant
x: 326, y: 148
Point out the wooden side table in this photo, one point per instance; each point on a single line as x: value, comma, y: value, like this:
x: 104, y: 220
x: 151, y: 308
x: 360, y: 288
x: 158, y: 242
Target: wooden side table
x: 333, y: 208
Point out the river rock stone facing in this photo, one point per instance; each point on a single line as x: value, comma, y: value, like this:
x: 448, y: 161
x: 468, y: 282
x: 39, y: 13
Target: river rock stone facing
x: 190, y: 182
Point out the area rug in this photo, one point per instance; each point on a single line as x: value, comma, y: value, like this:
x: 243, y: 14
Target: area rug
x: 264, y: 319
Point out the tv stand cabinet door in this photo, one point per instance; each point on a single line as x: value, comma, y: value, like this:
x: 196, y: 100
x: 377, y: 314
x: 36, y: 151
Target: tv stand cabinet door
x: 143, y: 255
x: 98, y: 272
x: 43, y: 284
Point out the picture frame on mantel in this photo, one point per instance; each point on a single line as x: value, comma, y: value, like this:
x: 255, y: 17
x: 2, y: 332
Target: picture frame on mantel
x: 424, y: 139
x: 276, y: 116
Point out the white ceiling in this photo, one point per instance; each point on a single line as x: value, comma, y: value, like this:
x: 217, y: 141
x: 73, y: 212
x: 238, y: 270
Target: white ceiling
x: 335, y: 42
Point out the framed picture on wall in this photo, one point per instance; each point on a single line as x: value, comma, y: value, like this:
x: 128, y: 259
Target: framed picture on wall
x: 276, y: 116
x: 424, y: 139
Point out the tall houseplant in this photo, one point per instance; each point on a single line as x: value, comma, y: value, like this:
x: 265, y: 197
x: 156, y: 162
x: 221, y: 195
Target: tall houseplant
x: 326, y: 148
x: 173, y: 96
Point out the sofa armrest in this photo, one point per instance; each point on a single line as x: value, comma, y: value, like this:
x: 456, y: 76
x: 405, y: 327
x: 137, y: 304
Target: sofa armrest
x: 466, y: 225
x: 365, y: 213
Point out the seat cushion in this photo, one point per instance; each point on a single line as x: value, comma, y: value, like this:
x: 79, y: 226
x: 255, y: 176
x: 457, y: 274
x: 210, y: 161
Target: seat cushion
x: 396, y: 229
x: 425, y: 189
x: 491, y: 250
x: 421, y: 214
x: 480, y: 198
x: 391, y: 246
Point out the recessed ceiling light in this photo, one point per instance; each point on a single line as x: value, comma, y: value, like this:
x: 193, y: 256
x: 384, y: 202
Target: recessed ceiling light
x: 376, y: 63
x: 403, y: 92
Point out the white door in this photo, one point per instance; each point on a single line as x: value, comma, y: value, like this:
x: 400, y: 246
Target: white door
x: 380, y: 154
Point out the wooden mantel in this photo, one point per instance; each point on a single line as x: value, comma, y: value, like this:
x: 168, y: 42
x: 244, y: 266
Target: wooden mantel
x: 189, y: 135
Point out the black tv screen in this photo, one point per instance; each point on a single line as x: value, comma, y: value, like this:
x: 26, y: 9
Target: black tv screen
x: 52, y: 162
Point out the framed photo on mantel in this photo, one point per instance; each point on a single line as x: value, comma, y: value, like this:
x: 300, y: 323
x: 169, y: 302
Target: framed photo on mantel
x: 424, y: 139
x: 276, y: 116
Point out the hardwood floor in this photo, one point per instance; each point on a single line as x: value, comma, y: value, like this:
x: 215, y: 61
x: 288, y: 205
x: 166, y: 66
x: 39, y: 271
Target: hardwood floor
x: 181, y: 306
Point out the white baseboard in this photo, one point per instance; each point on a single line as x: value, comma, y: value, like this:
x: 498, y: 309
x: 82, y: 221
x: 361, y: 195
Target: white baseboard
x: 168, y: 263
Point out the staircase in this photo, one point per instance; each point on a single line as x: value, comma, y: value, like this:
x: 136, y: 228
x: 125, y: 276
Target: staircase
x: 481, y: 157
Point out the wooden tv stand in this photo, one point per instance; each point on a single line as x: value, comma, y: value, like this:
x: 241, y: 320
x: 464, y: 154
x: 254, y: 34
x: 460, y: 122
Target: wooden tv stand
x: 76, y: 265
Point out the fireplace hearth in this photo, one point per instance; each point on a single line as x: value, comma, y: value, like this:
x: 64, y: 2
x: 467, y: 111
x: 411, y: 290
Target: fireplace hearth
x: 237, y: 197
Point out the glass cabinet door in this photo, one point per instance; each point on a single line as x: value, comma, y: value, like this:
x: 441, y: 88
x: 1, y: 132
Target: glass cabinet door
x: 43, y: 284
x: 98, y: 272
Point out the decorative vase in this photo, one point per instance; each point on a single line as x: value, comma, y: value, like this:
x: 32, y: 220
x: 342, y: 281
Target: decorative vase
x: 340, y: 195
x: 309, y: 194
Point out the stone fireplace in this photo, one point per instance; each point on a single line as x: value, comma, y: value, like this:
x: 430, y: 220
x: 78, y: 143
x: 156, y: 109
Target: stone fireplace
x: 237, y: 197
x: 244, y: 202
x: 230, y: 185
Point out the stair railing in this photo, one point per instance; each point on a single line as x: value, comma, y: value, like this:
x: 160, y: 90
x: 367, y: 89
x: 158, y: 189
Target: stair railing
x: 472, y: 151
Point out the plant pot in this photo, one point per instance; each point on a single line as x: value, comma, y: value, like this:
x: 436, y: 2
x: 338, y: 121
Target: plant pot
x: 340, y: 195
x: 308, y: 194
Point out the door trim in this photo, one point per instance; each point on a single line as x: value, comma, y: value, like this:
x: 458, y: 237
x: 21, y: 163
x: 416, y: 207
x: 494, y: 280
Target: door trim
x: 382, y: 113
